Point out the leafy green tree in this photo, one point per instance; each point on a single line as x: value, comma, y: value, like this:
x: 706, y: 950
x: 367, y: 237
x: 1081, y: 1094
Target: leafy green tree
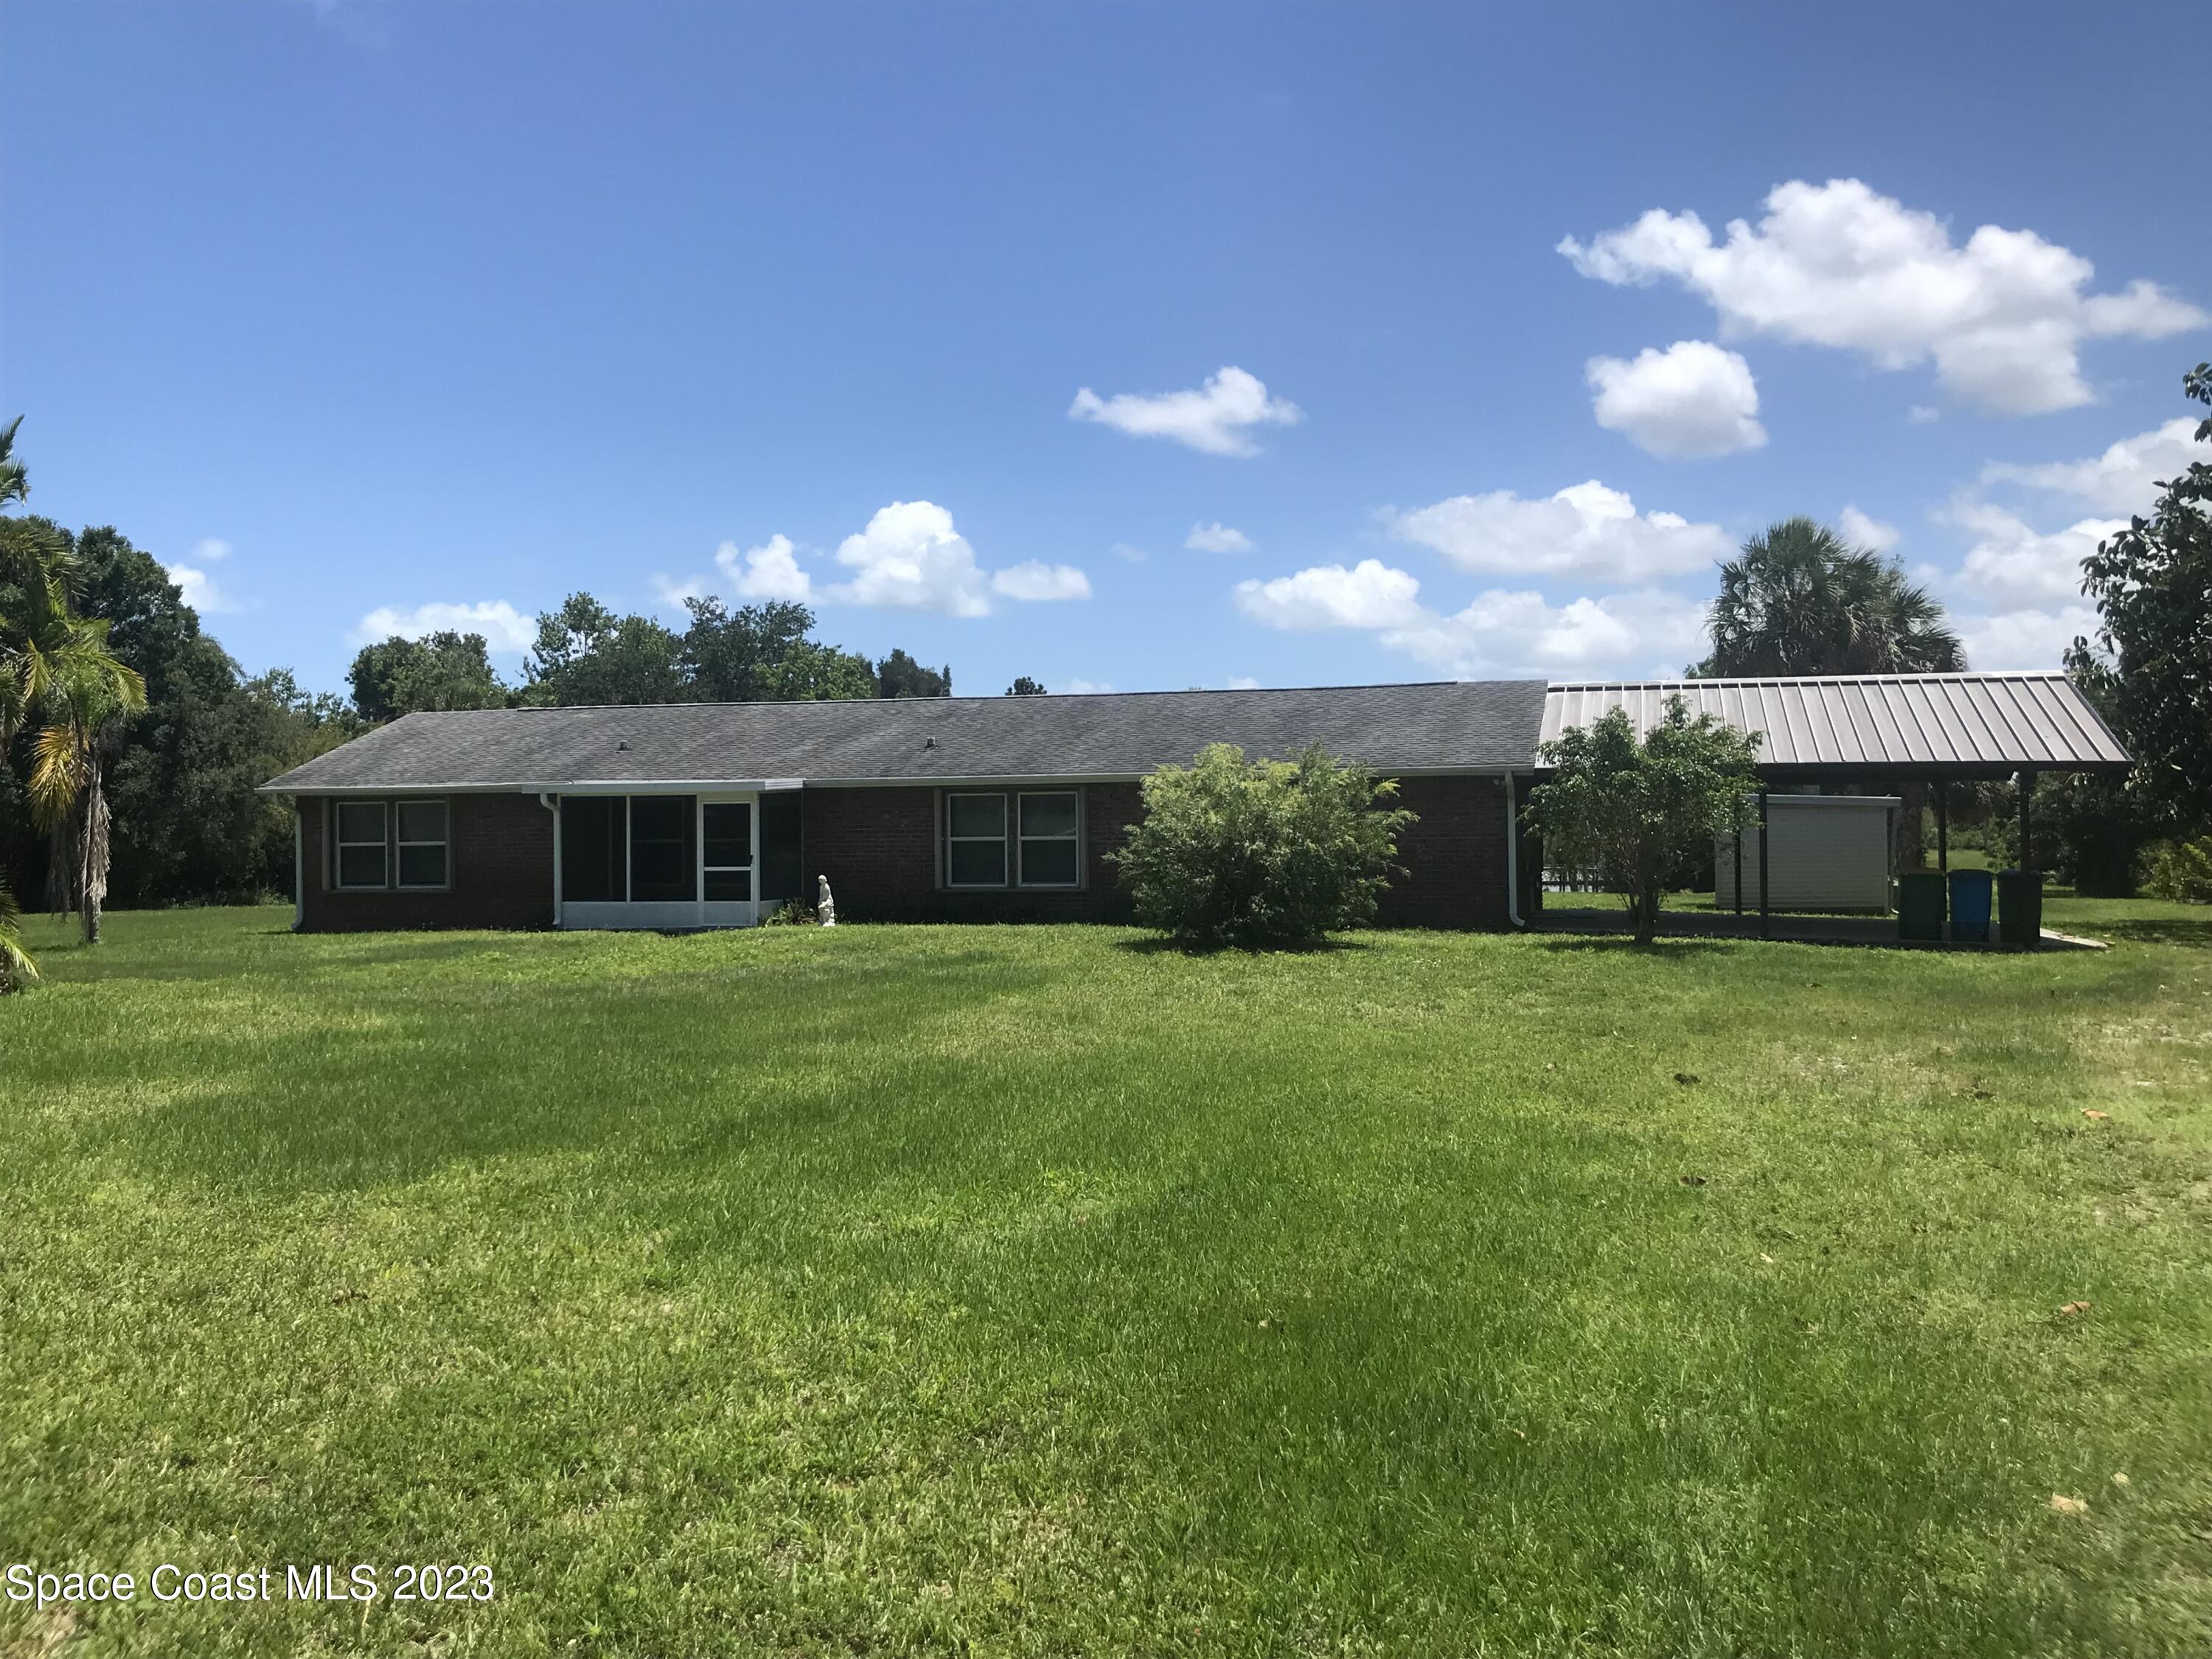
x: 2179, y: 870
x: 585, y: 654
x: 1260, y: 855
x: 1640, y: 816
x: 1024, y: 687
x: 1799, y: 600
x: 810, y: 672
x: 2153, y: 586
x: 441, y: 671
x: 188, y: 826
x: 900, y: 676
x: 762, y: 654
x: 16, y: 968
x: 67, y: 684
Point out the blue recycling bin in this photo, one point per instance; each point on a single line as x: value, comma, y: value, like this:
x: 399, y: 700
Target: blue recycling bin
x: 1970, y: 905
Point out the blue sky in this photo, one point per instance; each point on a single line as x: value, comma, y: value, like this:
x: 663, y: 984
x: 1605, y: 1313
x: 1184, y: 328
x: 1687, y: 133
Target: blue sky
x: 366, y: 316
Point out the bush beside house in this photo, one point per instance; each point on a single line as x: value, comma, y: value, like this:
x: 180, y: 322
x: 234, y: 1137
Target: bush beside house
x: 1260, y: 855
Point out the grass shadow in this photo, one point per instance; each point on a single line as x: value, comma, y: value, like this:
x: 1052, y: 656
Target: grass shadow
x: 2153, y: 930
x: 1666, y: 944
x: 1175, y: 947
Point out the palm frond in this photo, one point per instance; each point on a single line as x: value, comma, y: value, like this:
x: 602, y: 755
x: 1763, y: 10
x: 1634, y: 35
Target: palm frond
x: 14, y: 483
x: 60, y: 759
x: 16, y: 968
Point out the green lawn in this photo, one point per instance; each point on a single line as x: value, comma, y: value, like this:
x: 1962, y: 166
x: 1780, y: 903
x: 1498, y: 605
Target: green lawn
x: 1034, y: 1291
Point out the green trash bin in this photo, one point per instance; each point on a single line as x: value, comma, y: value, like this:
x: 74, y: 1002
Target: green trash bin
x: 2020, y: 906
x: 1920, y: 904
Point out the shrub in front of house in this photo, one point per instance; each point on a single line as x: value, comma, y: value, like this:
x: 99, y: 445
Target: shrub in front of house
x: 1260, y: 855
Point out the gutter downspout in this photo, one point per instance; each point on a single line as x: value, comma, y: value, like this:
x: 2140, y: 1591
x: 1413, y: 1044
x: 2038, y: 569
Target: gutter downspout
x: 299, y: 869
x: 551, y: 803
x: 1512, y: 859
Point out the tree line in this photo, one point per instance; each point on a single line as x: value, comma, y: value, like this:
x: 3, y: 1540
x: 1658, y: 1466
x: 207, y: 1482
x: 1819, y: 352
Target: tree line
x: 585, y: 654
x: 134, y: 745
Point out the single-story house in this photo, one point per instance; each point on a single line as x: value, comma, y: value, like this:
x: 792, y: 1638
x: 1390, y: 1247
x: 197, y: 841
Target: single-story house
x: 712, y: 815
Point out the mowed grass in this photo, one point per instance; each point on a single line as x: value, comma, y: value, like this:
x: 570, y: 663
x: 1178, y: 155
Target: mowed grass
x: 1035, y: 1291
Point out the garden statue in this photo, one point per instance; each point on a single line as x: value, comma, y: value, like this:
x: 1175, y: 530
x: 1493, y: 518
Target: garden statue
x: 825, y: 906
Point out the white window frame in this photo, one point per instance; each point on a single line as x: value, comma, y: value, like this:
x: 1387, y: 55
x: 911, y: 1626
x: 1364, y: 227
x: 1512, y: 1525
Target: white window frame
x: 445, y: 842
x: 1021, y: 840
x: 338, y: 845
x: 751, y: 867
x: 1005, y: 835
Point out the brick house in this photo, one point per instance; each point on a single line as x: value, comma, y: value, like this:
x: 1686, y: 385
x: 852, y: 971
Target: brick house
x: 710, y: 815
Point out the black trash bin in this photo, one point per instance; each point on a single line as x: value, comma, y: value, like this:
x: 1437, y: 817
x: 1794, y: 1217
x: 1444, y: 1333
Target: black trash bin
x: 2020, y: 906
x: 1920, y: 904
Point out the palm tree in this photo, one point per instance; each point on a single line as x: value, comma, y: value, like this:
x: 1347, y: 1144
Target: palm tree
x: 1799, y: 600
x: 84, y: 707
x: 55, y: 668
x: 16, y: 968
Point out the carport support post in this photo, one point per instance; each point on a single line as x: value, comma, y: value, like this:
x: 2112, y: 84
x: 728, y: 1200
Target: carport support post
x: 1762, y: 862
x: 1738, y: 869
x: 1943, y: 826
x: 2027, y: 790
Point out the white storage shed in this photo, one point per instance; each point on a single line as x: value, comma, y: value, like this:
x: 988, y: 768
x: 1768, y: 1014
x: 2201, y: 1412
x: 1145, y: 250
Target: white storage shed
x: 1823, y: 853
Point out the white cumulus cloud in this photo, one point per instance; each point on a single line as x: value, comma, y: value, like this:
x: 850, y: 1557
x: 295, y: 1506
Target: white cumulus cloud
x: 2009, y: 559
x: 770, y: 571
x: 2124, y: 478
x: 1218, y: 538
x: 1034, y: 579
x: 1585, y: 529
x: 1216, y: 419
x: 908, y: 557
x: 1370, y: 594
x: 1862, y: 530
x: 198, y: 589
x: 210, y: 550
x: 504, y: 628
x: 1502, y: 632
x: 2034, y: 637
x: 2001, y: 317
x: 1691, y: 401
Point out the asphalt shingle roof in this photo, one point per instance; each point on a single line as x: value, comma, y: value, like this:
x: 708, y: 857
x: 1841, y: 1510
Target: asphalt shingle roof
x: 1472, y: 726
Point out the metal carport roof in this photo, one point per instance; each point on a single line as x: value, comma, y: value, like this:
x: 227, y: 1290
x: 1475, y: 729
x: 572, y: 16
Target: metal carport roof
x: 1898, y: 725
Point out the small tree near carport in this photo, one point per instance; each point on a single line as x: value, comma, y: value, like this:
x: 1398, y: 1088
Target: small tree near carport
x: 1638, y: 816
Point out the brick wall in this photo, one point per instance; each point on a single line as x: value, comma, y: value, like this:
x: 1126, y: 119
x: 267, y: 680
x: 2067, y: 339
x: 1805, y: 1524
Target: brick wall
x: 878, y: 848
x: 1454, y: 856
x: 501, y: 855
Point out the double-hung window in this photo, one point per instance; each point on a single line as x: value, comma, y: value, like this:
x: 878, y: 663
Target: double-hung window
x: 975, y: 841
x: 1049, y: 857
x: 424, y: 852
x: 363, y: 858
x: 1013, y: 838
